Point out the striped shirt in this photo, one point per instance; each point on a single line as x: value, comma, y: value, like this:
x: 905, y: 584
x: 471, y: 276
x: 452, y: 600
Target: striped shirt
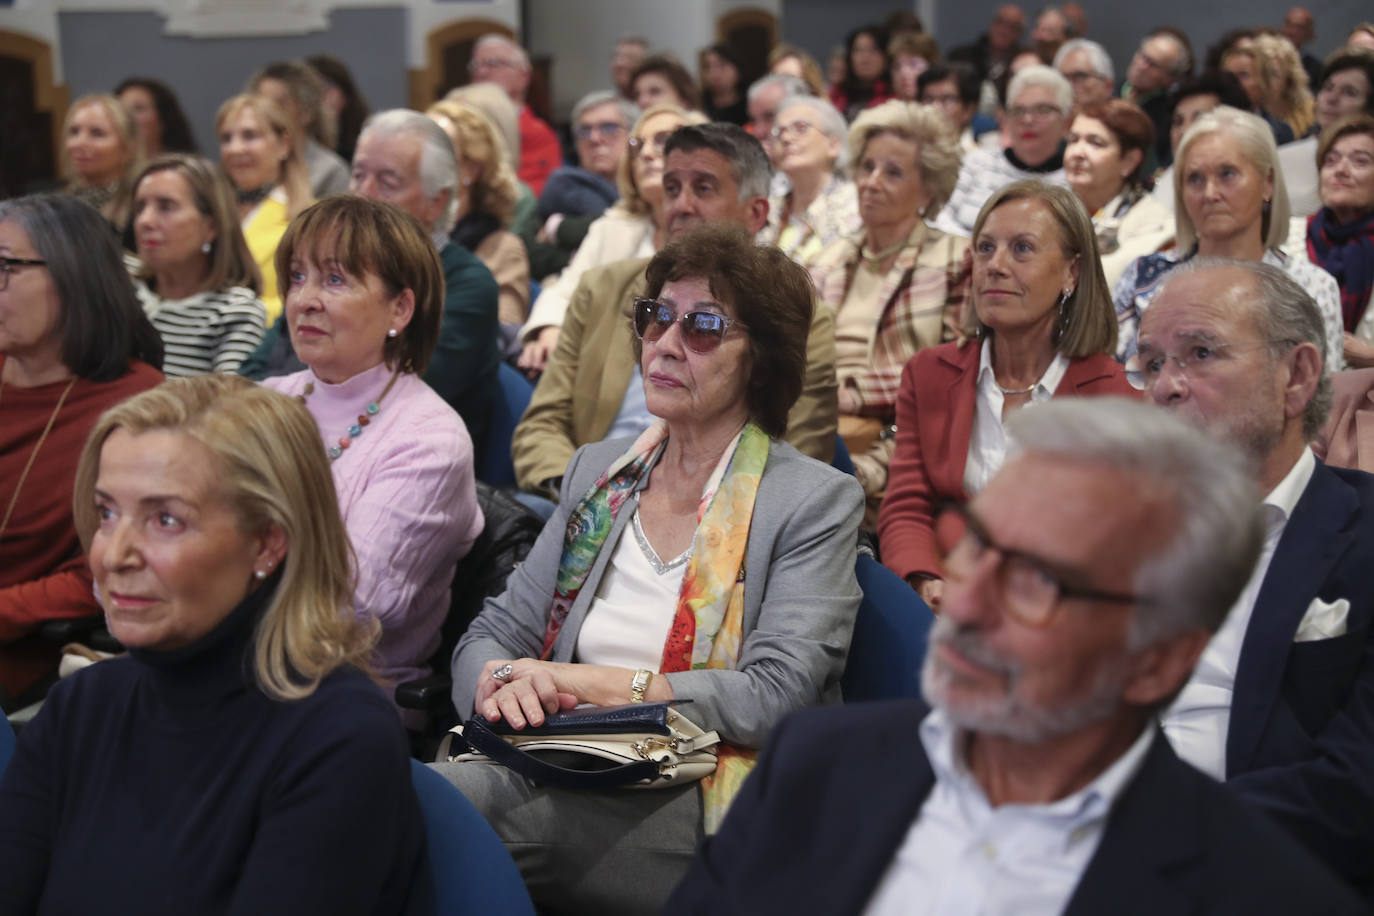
x: 209, y: 332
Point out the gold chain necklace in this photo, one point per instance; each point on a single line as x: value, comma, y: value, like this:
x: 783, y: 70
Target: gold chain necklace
x: 14, y: 500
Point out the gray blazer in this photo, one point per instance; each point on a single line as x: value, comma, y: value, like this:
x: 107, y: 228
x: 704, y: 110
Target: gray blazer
x: 800, y: 597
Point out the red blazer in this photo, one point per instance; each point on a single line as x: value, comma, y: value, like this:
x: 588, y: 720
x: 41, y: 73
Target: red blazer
x: 934, y: 424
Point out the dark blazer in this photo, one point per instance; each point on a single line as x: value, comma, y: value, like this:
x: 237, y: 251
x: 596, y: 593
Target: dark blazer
x: 1301, y: 738
x: 819, y: 820
x: 935, y: 408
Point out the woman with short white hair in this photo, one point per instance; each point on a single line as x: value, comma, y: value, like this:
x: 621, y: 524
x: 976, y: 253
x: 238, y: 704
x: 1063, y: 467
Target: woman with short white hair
x: 1039, y: 108
x: 821, y: 204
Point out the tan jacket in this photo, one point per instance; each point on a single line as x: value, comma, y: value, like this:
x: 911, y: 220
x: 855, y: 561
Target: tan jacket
x: 504, y: 254
x: 584, y: 383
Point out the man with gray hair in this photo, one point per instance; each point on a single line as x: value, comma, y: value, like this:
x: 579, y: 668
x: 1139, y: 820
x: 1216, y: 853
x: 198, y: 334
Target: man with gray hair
x: 591, y: 388
x: 1281, y: 706
x: 1088, y: 68
x: 404, y: 158
x: 765, y: 96
x: 497, y: 59
x: 1082, y: 585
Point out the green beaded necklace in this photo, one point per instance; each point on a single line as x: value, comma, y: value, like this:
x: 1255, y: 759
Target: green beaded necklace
x: 371, y: 410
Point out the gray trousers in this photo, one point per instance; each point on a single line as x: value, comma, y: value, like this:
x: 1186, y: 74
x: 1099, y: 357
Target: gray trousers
x: 609, y: 851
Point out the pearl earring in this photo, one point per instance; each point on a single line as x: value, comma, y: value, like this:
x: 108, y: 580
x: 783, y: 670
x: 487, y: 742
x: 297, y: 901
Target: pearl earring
x: 260, y: 574
x: 391, y: 333
x: 205, y: 248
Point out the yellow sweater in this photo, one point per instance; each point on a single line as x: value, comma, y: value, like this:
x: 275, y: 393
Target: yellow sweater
x: 263, y: 229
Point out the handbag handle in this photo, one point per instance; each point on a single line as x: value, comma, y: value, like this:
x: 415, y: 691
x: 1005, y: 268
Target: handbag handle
x: 481, y: 738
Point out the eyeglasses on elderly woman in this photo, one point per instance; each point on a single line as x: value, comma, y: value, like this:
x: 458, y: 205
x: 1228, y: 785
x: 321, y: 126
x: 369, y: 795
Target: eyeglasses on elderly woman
x: 702, y: 331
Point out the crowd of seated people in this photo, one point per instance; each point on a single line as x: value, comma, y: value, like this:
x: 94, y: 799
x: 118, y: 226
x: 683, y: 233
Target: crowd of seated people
x: 764, y: 328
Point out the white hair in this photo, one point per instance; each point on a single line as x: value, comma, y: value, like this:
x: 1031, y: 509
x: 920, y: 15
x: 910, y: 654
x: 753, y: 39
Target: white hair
x: 438, y: 164
x: 1050, y: 78
x: 1098, y: 58
x: 629, y: 111
x: 790, y: 84
x: 828, y: 120
x: 493, y: 39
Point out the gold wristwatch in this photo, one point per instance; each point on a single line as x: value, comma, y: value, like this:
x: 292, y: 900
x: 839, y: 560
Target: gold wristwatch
x: 640, y: 685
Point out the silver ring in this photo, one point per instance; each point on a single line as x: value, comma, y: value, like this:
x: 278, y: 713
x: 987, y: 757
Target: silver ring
x: 503, y: 673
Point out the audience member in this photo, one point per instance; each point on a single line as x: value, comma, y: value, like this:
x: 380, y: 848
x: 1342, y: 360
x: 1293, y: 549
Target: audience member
x: 259, y: 153
x: 1230, y: 201
x: 722, y: 93
x: 101, y: 153
x: 345, y: 108
x: 247, y: 762
x: 73, y: 343
x: 954, y: 90
x: 1238, y: 348
x: 636, y: 227
x: 591, y: 389
x: 1193, y: 98
x: 898, y: 286
x: 363, y: 287
x: 1243, y: 61
x: 790, y: 60
x: 1345, y: 87
x: 1105, y: 166
x: 821, y: 204
x: 1361, y: 37
x: 1042, y: 327
x: 299, y: 90
x: 1299, y: 28
x: 1077, y: 16
x: 1039, y: 105
x: 497, y: 59
x: 661, y: 80
x: 764, y: 97
x: 1163, y: 58
x: 1340, y: 236
x: 629, y: 51
x: 867, y: 82
x: 162, y: 125
x: 577, y: 194
x: 1052, y: 28
x: 992, y: 53
x: 1088, y: 68
x: 1284, y: 84
x: 1039, y: 782
x: 724, y: 516
x: 488, y: 197
x: 911, y: 53
x: 196, y: 280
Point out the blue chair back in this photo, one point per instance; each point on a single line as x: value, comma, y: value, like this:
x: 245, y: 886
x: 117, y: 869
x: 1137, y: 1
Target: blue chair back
x: 6, y: 743
x: 889, y: 637
x: 494, y: 465
x: 842, y: 461
x: 470, y: 870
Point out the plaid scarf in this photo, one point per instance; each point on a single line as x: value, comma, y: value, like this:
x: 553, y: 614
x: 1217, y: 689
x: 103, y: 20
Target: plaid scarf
x: 1346, y: 251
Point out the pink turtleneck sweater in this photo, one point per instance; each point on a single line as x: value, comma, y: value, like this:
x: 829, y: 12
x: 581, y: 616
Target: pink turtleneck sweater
x: 406, y: 493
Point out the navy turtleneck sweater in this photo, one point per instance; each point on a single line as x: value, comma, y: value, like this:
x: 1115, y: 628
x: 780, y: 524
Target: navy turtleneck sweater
x: 167, y: 782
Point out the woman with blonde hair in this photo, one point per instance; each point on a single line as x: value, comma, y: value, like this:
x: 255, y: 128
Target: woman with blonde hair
x: 197, y: 280
x: 222, y: 563
x: 102, y: 153
x: 260, y: 152
x: 897, y: 285
x: 791, y: 60
x: 633, y: 228
x: 299, y: 90
x: 1283, y: 84
x: 487, y: 195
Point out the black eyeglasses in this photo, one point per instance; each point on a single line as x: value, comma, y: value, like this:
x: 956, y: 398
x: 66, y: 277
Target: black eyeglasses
x: 7, y: 266
x: 1029, y: 589
x: 701, y: 331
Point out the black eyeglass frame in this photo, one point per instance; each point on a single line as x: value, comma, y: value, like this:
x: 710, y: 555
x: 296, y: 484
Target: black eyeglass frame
x: 7, y: 264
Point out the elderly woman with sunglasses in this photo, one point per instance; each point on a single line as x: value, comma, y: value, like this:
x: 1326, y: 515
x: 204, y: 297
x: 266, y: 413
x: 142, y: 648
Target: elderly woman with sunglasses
x: 821, y: 205
x: 704, y: 561
x: 633, y: 228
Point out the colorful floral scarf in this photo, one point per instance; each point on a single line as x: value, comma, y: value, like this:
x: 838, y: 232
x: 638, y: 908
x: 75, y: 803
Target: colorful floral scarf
x: 1346, y: 251
x: 707, y: 625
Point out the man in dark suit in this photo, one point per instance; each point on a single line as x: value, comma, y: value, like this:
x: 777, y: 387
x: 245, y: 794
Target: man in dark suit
x: 1281, y: 705
x: 1081, y: 586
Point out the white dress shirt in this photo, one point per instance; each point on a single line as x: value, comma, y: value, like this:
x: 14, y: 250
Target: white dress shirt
x: 1199, y: 719
x: 988, y: 443
x: 963, y: 857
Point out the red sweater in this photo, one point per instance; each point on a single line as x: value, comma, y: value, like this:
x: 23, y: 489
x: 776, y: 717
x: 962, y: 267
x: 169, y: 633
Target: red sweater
x: 43, y: 574
x: 540, y: 152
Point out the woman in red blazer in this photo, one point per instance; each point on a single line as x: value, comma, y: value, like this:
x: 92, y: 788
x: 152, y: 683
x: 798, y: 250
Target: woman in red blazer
x: 1043, y: 325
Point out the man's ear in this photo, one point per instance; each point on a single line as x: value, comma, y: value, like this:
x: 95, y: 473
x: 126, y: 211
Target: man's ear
x: 1304, y: 374
x: 1159, y: 671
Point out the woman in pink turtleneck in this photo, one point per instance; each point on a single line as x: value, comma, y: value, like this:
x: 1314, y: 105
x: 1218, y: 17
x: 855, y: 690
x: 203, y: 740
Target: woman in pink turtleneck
x: 363, y: 291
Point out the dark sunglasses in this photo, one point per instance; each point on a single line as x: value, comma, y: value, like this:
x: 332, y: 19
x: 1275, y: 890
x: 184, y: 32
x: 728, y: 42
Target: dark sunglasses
x: 701, y: 332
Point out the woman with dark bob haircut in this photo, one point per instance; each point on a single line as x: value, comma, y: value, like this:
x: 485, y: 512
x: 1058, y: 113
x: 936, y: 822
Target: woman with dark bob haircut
x: 363, y: 291
x: 661, y: 80
x: 73, y: 342
x: 705, y: 560
x: 247, y: 762
x: 162, y: 125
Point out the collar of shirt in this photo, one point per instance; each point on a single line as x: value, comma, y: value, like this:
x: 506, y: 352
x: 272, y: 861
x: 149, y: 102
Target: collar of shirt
x: 1073, y: 814
x: 1043, y: 389
x: 1283, y: 499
